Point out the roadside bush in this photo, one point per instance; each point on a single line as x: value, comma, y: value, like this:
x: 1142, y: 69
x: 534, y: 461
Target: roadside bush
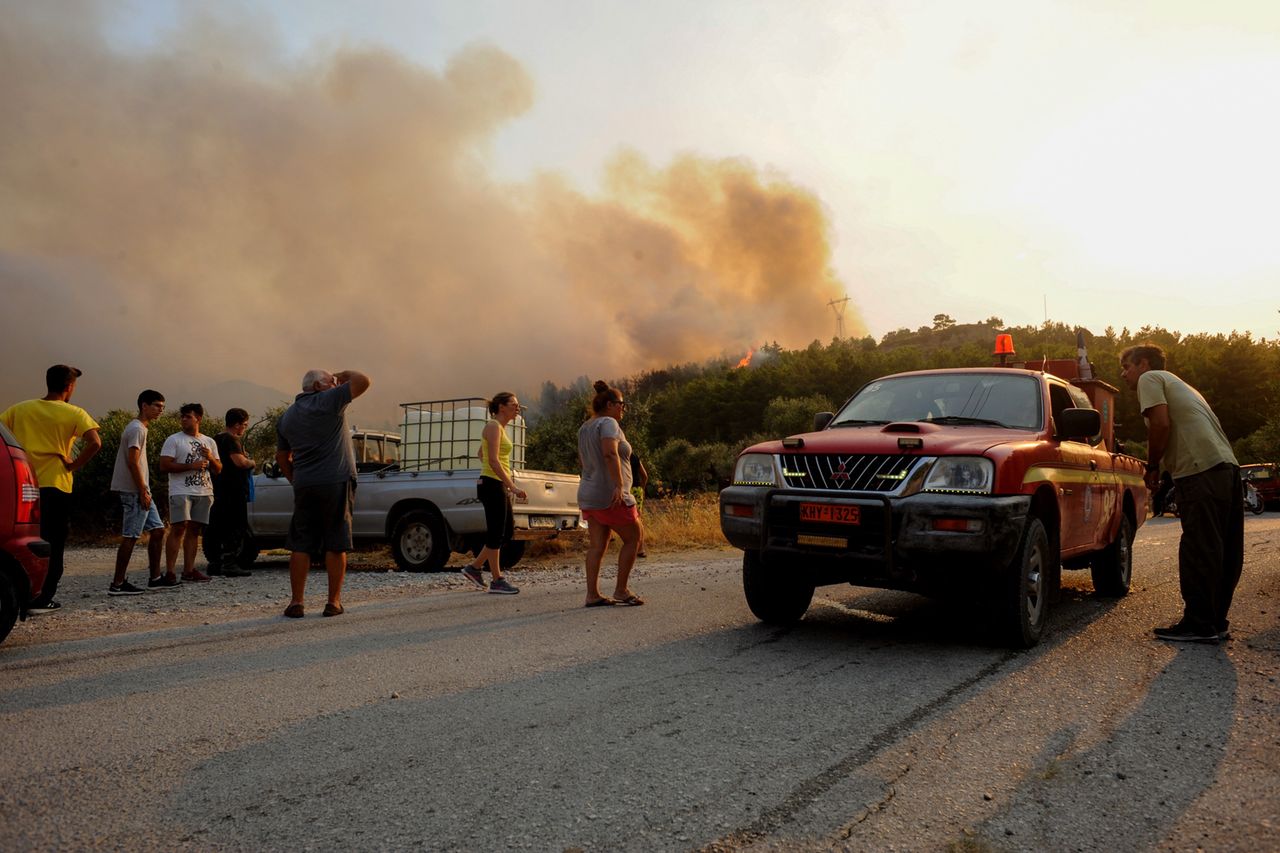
x: 790, y: 415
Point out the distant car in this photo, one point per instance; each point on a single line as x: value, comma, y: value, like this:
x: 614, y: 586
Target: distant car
x: 1265, y: 477
x: 24, y: 556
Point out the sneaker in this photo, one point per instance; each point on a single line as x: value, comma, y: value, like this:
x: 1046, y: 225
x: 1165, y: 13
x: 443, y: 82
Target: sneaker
x: 197, y: 577
x: 164, y: 582
x: 472, y: 574
x: 502, y: 587
x: 47, y: 607
x: 1182, y: 633
x: 125, y: 588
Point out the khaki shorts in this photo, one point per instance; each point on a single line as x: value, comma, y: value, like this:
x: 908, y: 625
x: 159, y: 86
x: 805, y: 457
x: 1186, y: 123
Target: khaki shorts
x: 190, y: 508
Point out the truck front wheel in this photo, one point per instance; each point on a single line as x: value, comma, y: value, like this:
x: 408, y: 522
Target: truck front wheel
x: 419, y: 543
x: 775, y: 594
x: 1112, y: 567
x: 1023, y: 589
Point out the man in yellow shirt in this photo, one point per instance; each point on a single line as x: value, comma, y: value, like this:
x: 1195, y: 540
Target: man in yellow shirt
x: 1186, y: 439
x: 47, y: 429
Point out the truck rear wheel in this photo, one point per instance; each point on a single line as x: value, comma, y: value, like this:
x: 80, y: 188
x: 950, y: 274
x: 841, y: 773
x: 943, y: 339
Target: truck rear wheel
x: 8, y: 605
x: 775, y: 594
x: 1112, y: 567
x: 511, y: 553
x: 1023, y: 590
x: 419, y: 543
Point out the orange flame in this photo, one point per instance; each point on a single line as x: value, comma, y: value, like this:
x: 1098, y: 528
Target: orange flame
x: 746, y: 359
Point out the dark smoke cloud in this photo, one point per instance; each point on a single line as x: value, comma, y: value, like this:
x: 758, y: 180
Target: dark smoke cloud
x: 212, y: 211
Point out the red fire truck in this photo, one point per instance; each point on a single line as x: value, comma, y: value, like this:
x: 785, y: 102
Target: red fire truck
x: 978, y: 482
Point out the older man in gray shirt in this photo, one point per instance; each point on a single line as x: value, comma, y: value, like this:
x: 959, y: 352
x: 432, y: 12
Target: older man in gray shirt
x: 313, y: 449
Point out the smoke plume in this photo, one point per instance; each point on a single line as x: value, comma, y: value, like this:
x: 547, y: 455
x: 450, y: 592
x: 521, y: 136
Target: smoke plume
x: 211, y: 211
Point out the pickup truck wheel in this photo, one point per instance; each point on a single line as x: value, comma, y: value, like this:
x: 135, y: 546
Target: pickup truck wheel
x: 1024, y: 589
x: 1112, y: 567
x: 8, y: 605
x: 775, y: 595
x: 419, y: 543
x: 511, y: 553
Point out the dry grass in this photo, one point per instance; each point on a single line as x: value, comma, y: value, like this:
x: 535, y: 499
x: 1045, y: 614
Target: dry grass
x: 673, y: 523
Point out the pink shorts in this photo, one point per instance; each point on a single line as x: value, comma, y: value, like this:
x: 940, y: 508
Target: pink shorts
x: 616, y: 516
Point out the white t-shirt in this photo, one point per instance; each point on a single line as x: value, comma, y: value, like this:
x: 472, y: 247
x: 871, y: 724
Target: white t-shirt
x: 185, y: 449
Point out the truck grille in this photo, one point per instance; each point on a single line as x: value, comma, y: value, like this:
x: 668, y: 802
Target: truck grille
x: 847, y: 473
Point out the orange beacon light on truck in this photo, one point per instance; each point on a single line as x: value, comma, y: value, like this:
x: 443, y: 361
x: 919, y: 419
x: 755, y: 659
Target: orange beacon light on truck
x: 1004, y: 348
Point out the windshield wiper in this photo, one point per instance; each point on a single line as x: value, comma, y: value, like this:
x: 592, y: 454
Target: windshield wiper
x: 958, y: 419
x: 856, y: 422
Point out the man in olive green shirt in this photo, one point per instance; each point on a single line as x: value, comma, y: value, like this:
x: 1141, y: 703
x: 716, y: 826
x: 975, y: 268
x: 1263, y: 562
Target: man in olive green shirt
x: 1186, y: 439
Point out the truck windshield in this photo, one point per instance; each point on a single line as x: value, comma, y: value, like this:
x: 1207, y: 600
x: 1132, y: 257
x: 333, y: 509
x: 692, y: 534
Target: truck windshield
x: 975, y: 399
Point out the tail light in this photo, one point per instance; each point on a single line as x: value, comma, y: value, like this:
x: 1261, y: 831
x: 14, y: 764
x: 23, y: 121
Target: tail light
x: 28, y: 493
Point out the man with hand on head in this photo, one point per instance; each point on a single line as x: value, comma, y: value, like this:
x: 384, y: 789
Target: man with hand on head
x: 313, y: 449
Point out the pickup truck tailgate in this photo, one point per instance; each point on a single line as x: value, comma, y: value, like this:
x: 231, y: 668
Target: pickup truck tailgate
x: 551, y: 506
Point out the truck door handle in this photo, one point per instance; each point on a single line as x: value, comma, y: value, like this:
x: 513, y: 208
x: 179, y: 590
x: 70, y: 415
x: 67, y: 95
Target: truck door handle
x: 1093, y: 464
x: 1066, y: 492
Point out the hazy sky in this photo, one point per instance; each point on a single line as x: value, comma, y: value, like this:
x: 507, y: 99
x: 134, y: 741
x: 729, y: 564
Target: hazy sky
x: 457, y: 195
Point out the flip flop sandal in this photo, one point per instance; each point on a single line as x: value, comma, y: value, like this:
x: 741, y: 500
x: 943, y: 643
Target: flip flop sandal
x: 601, y: 602
x: 631, y: 601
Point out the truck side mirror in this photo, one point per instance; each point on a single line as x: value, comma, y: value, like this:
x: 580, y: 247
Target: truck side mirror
x: 1079, y: 423
x: 821, y: 419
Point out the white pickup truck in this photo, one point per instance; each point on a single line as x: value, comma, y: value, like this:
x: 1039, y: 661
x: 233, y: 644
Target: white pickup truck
x: 417, y: 491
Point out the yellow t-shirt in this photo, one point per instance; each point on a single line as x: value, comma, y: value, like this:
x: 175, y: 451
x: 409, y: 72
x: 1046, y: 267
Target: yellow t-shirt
x: 504, y: 454
x: 1196, y: 440
x: 47, y: 429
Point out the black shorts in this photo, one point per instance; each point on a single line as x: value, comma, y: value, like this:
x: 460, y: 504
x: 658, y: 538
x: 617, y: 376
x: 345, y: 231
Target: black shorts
x: 499, y: 524
x: 322, y: 518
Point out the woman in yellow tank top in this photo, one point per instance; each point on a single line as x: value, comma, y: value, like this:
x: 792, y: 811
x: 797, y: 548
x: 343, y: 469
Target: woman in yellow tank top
x: 494, y: 489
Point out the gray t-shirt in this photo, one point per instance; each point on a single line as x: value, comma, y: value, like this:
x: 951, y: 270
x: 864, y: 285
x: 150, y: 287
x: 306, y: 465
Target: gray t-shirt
x: 315, y: 430
x: 134, y: 435
x: 595, y: 489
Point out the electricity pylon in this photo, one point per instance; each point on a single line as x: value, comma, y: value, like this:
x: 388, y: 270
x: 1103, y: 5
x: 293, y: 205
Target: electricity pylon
x: 838, y: 306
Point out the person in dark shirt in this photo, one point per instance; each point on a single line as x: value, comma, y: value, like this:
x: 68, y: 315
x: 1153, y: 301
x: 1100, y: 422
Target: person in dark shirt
x: 229, y: 520
x: 313, y: 450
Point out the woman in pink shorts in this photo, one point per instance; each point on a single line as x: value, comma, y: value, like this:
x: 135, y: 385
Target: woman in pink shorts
x: 604, y: 494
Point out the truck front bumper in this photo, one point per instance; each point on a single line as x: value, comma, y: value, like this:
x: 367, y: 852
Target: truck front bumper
x: 898, y: 541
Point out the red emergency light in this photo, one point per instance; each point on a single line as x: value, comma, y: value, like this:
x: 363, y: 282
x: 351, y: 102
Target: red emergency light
x: 1004, y: 347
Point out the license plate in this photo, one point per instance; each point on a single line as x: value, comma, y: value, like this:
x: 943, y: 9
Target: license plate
x: 542, y: 521
x: 830, y: 514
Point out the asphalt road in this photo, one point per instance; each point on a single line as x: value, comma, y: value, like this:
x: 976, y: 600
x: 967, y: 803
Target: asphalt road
x: 433, y: 717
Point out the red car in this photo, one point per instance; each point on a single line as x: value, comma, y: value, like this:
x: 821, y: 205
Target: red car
x: 24, y: 556
x: 1265, y: 477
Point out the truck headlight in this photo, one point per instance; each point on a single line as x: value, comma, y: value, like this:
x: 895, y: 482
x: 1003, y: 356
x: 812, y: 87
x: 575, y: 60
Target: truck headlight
x: 755, y: 469
x: 969, y: 474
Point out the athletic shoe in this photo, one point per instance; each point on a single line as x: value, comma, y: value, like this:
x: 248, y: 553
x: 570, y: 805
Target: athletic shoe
x: 472, y: 574
x: 164, y: 582
x: 1182, y: 633
x: 197, y: 577
x: 47, y: 607
x: 502, y: 587
x: 125, y: 588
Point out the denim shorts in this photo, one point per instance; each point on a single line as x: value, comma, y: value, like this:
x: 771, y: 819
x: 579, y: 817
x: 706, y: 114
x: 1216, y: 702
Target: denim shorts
x: 136, y: 519
x: 190, y: 508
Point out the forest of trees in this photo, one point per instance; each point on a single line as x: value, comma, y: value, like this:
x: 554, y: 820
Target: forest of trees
x: 689, y: 422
